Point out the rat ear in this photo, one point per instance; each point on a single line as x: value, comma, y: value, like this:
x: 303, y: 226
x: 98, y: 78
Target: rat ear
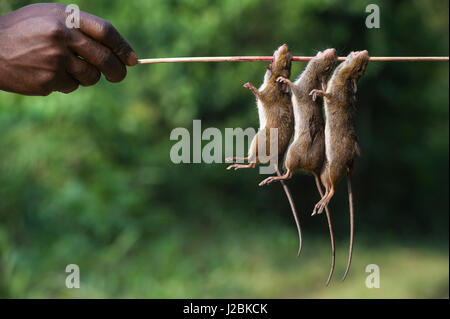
x: 354, y: 86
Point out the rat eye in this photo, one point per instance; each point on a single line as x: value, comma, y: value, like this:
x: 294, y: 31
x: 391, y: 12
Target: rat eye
x: 327, y: 68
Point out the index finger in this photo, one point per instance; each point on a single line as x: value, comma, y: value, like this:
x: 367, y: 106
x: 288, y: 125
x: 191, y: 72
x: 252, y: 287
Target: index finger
x: 103, y: 31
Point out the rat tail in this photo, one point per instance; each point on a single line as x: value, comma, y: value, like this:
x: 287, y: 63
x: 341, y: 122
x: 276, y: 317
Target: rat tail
x: 330, y: 227
x: 294, y: 211
x: 350, y: 201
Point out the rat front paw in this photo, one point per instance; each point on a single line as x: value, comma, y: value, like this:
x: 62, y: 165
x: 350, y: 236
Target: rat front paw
x: 284, y: 84
x: 314, y: 93
x: 282, y: 79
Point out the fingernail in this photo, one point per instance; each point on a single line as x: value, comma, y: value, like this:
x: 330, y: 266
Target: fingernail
x: 132, y: 59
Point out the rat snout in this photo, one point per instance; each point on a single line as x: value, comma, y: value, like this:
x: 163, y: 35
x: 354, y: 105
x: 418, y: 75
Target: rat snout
x: 330, y: 52
x: 364, y: 53
x: 361, y: 55
x: 283, y: 49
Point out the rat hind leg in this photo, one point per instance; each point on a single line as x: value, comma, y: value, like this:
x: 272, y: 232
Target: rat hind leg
x: 251, y: 158
x: 280, y: 177
x: 241, y: 166
x: 236, y: 159
x: 318, y: 209
x: 329, y: 184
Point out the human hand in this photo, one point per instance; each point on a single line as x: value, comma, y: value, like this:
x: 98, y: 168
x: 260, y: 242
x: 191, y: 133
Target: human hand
x: 40, y: 55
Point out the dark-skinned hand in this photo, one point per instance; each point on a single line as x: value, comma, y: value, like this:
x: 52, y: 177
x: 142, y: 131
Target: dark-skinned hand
x: 39, y: 54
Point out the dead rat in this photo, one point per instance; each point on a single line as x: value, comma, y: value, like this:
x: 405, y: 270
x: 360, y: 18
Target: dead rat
x: 341, y: 146
x: 275, y: 112
x: 307, y: 151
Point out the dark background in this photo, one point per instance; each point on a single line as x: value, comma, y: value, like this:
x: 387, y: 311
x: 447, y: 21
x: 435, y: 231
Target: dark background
x: 86, y: 178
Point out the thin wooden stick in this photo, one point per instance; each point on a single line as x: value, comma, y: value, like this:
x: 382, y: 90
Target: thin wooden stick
x: 270, y: 58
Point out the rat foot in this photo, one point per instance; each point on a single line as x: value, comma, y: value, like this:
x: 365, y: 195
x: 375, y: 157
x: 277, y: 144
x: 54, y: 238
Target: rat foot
x: 318, y: 209
x: 269, y: 180
x: 272, y: 179
x: 240, y: 166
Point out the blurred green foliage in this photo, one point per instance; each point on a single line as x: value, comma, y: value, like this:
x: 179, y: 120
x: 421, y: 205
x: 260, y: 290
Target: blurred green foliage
x: 86, y: 178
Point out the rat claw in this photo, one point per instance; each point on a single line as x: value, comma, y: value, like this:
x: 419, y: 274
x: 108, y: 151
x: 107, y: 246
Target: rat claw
x: 267, y: 181
x: 229, y: 160
x: 355, y: 86
x: 282, y: 79
x: 319, y: 208
x: 234, y: 166
x: 315, y: 210
x: 240, y: 166
x: 248, y: 85
x: 314, y: 93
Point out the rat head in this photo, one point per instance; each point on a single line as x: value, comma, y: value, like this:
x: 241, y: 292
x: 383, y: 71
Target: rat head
x: 352, y: 69
x: 281, y: 64
x: 322, y: 65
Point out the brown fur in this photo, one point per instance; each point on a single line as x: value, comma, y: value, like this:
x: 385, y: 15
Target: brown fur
x: 308, y: 148
x: 340, y: 100
x: 276, y: 101
x: 307, y: 151
x: 277, y: 107
x: 275, y: 111
x: 341, y: 145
